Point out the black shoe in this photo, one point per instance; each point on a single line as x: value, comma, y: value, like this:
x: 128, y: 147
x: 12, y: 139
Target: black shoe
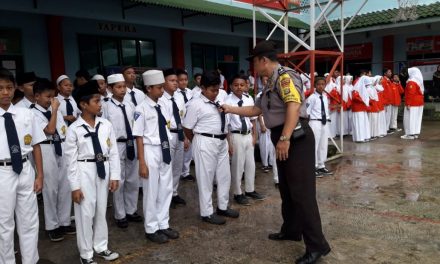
x: 108, y: 255
x: 228, y: 213
x: 318, y: 173
x: 270, y: 167
x: 170, y: 233
x: 55, y: 235
x: 265, y: 169
x: 312, y: 257
x: 282, y: 236
x: 88, y: 261
x: 241, y: 199
x: 68, y: 230
x: 178, y: 200
x: 134, y: 217
x: 325, y: 171
x: 277, y: 185
x: 214, y: 219
x: 256, y: 196
x: 188, y: 177
x: 157, y: 237
x: 122, y: 223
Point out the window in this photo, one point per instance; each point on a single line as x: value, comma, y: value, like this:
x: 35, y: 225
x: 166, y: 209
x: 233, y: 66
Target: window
x: 101, y: 54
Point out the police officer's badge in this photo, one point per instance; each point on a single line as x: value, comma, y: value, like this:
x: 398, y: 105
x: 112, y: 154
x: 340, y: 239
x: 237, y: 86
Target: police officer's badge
x: 27, y: 139
x: 63, y: 130
x: 109, y: 144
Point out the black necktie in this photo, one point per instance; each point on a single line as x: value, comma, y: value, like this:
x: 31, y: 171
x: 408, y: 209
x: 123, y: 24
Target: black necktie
x: 323, y: 115
x: 69, y: 109
x: 176, y: 115
x: 32, y: 106
x: 166, y: 155
x: 106, y: 99
x: 99, y: 156
x: 133, y: 98
x: 129, y: 143
x: 13, y: 143
x: 222, y: 115
x: 242, y: 119
x: 56, y: 136
x: 184, y: 96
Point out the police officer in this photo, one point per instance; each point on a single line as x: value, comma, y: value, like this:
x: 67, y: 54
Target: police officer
x: 284, y: 110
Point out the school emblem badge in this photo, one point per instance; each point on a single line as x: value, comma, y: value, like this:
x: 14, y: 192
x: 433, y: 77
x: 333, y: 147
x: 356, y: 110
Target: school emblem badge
x: 99, y: 157
x: 181, y: 113
x: 63, y: 130
x: 27, y: 139
x: 15, y: 149
x: 165, y: 145
x: 130, y: 143
x: 108, y: 142
x: 169, y: 124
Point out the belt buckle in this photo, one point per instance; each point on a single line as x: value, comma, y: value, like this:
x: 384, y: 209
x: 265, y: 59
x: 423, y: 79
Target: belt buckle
x: 3, y: 163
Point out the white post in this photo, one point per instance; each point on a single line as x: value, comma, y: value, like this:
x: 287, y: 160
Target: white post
x: 312, y: 25
x: 286, y: 36
x: 342, y: 77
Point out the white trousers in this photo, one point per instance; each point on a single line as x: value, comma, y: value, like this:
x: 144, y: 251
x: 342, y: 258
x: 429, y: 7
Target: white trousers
x: 158, y: 190
x: 388, y: 114
x: 187, y: 158
x: 57, y: 196
x: 266, y: 147
x: 361, y: 127
x: 394, y: 113
x: 374, y: 124
x: 90, y: 221
x: 320, y: 132
x: 242, y: 160
x: 382, y: 123
x: 176, y: 148
x: 17, y: 196
x: 348, y: 116
x: 211, y: 159
x: 412, y: 120
x: 125, y: 198
x: 335, y: 124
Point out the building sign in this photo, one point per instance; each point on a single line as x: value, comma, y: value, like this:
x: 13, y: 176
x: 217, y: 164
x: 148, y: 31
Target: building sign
x: 113, y: 27
x: 421, y: 45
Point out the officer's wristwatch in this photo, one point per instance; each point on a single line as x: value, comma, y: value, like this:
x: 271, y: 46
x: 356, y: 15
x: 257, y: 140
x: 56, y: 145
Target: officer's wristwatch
x: 284, y: 138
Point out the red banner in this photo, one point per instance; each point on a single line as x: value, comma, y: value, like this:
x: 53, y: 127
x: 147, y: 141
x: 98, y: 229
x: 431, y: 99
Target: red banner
x: 420, y: 45
x: 357, y: 52
x: 274, y: 4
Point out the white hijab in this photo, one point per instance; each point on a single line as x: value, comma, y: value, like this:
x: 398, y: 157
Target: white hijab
x: 330, y: 86
x: 362, y: 88
x: 416, y: 76
x: 347, y: 89
x: 377, y: 83
x: 372, y: 93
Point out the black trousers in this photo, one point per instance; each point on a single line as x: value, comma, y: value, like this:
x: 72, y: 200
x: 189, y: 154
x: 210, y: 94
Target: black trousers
x: 297, y: 185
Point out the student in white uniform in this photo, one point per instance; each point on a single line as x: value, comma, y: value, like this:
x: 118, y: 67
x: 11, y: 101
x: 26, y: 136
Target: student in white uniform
x: 19, y: 136
x: 318, y: 112
x: 243, y: 135
x: 56, y: 191
x: 196, y: 90
x: 360, y: 102
x: 68, y: 106
x: 134, y: 95
x: 346, y: 102
x: 187, y: 94
x: 151, y: 129
x: 120, y: 113
x: 93, y: 170
x: 103, y: 89
x: 207, y: 128
x: 25, y: 83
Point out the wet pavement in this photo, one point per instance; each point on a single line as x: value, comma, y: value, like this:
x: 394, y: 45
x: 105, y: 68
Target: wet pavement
x: 381, y: 206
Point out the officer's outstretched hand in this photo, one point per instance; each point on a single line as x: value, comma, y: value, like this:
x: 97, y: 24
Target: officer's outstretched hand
x: 143, y: 170
x: 113, y: 185
x: 77, y: 196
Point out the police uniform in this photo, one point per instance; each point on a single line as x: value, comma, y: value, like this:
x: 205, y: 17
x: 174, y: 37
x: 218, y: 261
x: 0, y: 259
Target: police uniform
x: 242, y: 159
x: 90, y: 170
x: 210, y: 152
x: 134, y: 95
x: 63, y: 106
x: 56, y: 191
x: 187, y: 154
x: 17, y: 191
x: 319, y: 126
x: 297, y: 181
x: 176, y: 145
x: 125, y: 199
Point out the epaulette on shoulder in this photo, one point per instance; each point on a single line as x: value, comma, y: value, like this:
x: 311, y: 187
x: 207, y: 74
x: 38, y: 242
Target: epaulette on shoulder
x: 281, y: 70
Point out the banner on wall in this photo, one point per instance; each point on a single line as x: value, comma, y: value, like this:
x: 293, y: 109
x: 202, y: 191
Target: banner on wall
x: 279, y: 5
x: 421, y: 45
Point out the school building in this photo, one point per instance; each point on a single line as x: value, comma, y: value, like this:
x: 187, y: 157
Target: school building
x: 54, y: 37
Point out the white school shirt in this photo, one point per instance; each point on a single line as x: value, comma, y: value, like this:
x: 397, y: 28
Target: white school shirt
x: 222, y: 94
x: 204, y: 117
x: 78, y: 147
x: 196, y: 91
x: 113, y: 113
x: 63, y: 104
x: 24, y: 102
x: 188, y: 93
x: 61, y: 126
x: 28, y: 131
x: 314, y: 106
x: 165, y: 102
x: 146, y: 122
x: 234, y: 120
x: 138, y: 94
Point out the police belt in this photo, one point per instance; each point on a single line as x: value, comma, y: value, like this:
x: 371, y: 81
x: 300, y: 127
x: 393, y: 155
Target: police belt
x: 8, y: 162
x: 92, y: 160
x: 328, y: 120
x: 241, y: 132
x: 51, y: 141
x: 221, y: 137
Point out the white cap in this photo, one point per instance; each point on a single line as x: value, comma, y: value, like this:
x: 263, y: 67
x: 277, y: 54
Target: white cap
x: 153, y: 77
x: 61, y: 78
x: 114, y: 78
x: 97, y: 77
x: 326, y: 74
